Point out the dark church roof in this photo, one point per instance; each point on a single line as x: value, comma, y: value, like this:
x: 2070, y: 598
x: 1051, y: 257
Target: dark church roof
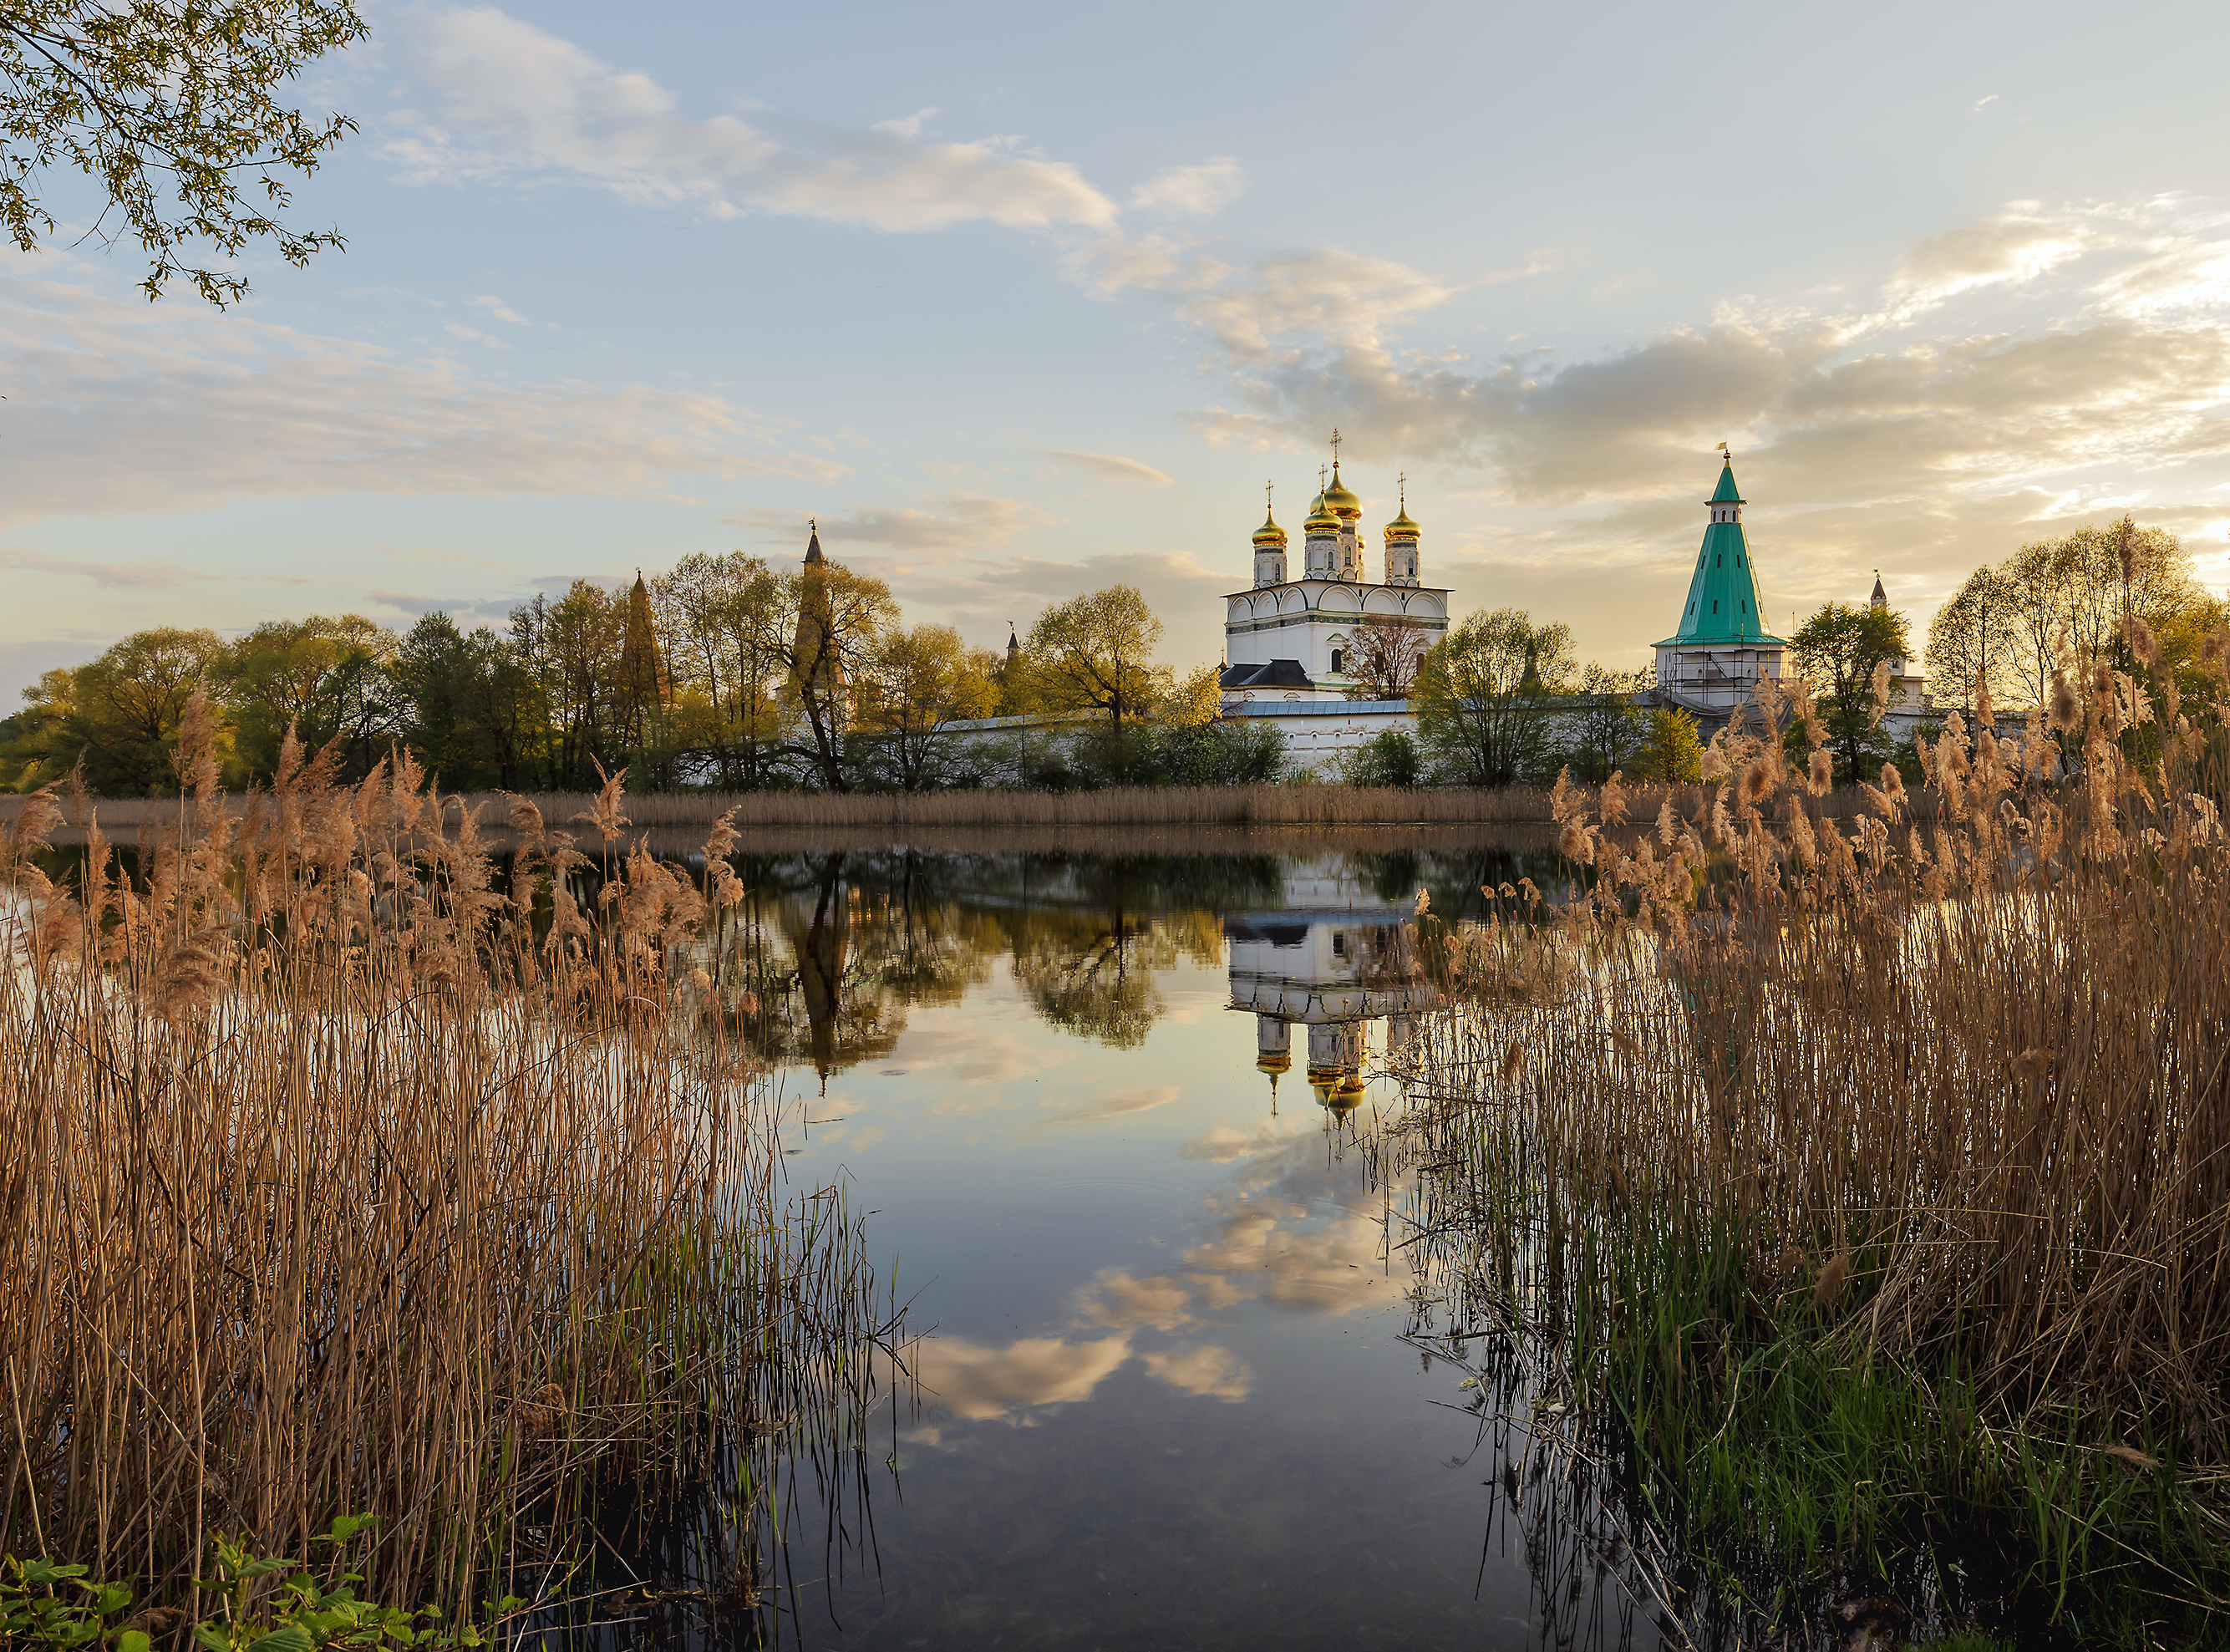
x: 1278, y: 674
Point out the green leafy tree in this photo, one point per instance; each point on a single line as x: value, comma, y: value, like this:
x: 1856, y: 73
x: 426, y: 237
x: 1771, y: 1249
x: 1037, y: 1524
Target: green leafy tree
x: 1390, y: 757
x: 125, y: 709
x: 173, y: 110
x: 913, y: 687
x: 711, y: 612
x: 1837, y: 650
x: 1095, y: 652
x: 325, y: 678
x: 1482, y: 693
x: 470, y: 706
x: 1607, y: 725
x: 818, y: 629
x: 1671, y: 750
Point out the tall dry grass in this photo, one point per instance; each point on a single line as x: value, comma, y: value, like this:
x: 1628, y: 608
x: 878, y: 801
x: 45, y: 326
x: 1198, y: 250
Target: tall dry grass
x: 800, y: 815
x: 1948, y: 1099
x: 335, y: 1178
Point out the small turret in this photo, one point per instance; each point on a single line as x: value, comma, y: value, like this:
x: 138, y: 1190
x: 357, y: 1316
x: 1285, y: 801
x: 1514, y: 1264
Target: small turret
x: 1269, y: 548
x: 1402, y: 536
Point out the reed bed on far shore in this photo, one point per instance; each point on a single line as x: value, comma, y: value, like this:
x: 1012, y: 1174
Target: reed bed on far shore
x: 336, y: 1180
x: 808, y: 817
x: 1861, y: 1198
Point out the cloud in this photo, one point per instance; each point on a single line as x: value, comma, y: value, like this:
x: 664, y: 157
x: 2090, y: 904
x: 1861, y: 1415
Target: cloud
x: 1982, y: 104
x: 1191, y: 191
x: 1209, y: 1371
x: 2013, y: 246
x: 116, y: 576
x: 116, y: 409
x: 506, y: 100
x: 1112, y: 467
x: 975, y: 1382
x: 954, y: 523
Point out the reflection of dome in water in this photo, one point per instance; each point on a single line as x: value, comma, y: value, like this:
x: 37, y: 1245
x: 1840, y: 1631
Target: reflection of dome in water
x: 1279, y: 1062
x: 1346, y: 1095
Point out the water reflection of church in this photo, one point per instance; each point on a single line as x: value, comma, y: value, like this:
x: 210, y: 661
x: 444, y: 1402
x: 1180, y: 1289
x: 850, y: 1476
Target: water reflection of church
x: 1330, y: 972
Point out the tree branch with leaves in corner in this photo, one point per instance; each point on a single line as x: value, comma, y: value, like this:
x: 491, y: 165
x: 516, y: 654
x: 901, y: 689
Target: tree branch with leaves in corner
x: 172, y: 108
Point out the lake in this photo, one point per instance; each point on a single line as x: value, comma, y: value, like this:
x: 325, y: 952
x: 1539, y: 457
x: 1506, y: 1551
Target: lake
x: 1115, y: 1118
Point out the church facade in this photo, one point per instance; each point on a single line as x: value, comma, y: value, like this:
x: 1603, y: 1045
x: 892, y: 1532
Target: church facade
x: 1290, y: 639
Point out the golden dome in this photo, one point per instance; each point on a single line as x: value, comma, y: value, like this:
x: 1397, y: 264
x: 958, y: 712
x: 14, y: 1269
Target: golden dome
x: 1401, y: 527
x: 1321, y: 516
x: 1274, y: 1064
x: 1338, y: 501
x: 1346, y: 1095
x: 1269, y: 533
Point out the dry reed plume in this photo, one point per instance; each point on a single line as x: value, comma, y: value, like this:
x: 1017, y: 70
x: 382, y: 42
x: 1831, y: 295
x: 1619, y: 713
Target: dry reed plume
x: 1959, y: 1089
x: 335, y: 1182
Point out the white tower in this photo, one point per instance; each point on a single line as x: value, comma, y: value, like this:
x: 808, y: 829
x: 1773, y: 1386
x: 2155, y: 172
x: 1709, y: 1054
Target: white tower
x: 1401, y: 544
x: 1269, y: 549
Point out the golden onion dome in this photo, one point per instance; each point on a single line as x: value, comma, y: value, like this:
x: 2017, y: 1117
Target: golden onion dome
x: 1321, y: 517
x: 1274, y: 1064
x: 1341, y: 503
x: 1269, y: 533
x: 1346, y: 1095
x: 1401, y: 527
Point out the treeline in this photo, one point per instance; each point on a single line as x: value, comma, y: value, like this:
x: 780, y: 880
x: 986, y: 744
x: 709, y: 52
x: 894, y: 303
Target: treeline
x: 721, y: 672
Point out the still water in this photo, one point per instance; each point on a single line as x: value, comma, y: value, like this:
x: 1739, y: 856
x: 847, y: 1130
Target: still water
x: 1117, y: 1119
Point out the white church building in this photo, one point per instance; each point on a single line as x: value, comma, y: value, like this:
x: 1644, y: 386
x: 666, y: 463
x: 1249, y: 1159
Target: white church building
x: 1287, y: 641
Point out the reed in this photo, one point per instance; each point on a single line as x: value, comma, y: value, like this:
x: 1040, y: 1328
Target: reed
x: 1873, y: 1184
x: 335, y: 1178
x: 880, y: 816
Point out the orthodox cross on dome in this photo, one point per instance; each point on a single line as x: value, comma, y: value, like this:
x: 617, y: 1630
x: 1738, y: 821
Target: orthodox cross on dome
x: 1270, y: 497
x: 1335, y: 447
x: 1322, y: 471
x: 1401, y: 482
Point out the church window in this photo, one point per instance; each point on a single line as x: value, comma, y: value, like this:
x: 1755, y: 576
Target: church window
x: 1335, y: 659
x: 1715, y: 561
x: 1715, y: 608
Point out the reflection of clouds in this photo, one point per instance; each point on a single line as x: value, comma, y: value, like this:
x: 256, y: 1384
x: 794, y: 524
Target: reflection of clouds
x: 970, y: 1381
x: 975, y: 1052
x: 1328, y: 1265
x: 1122, y: 1303
x: 1209, y: 1371
x: 1116, y: 1104
x: 1224, y: 1144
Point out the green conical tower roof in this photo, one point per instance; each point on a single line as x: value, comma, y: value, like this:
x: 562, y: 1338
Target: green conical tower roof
x: 1723, y: 607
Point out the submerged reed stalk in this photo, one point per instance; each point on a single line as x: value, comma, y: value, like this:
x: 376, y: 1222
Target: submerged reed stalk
x: 335, y: 1178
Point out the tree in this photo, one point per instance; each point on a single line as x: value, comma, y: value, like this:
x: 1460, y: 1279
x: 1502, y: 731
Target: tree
x: 1671, y: 751
x: 470, y: 708
x: 914, y: 685
x: 170, y: 108
x: 817, y: 627
x: 1837, y: 650
x: 2083, y: 585
x: 1095, y: 652
x: 1383, y: 652
x: 325, y: 679
x: 124, y: 709
x: 1607, y: 725
x: 712, y: 611
x: 1975, y: 637
x: 1390, y: 757
x: 1482, y: 695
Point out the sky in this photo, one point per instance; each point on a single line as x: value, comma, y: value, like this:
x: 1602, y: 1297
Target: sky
x: 1023, y: 300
